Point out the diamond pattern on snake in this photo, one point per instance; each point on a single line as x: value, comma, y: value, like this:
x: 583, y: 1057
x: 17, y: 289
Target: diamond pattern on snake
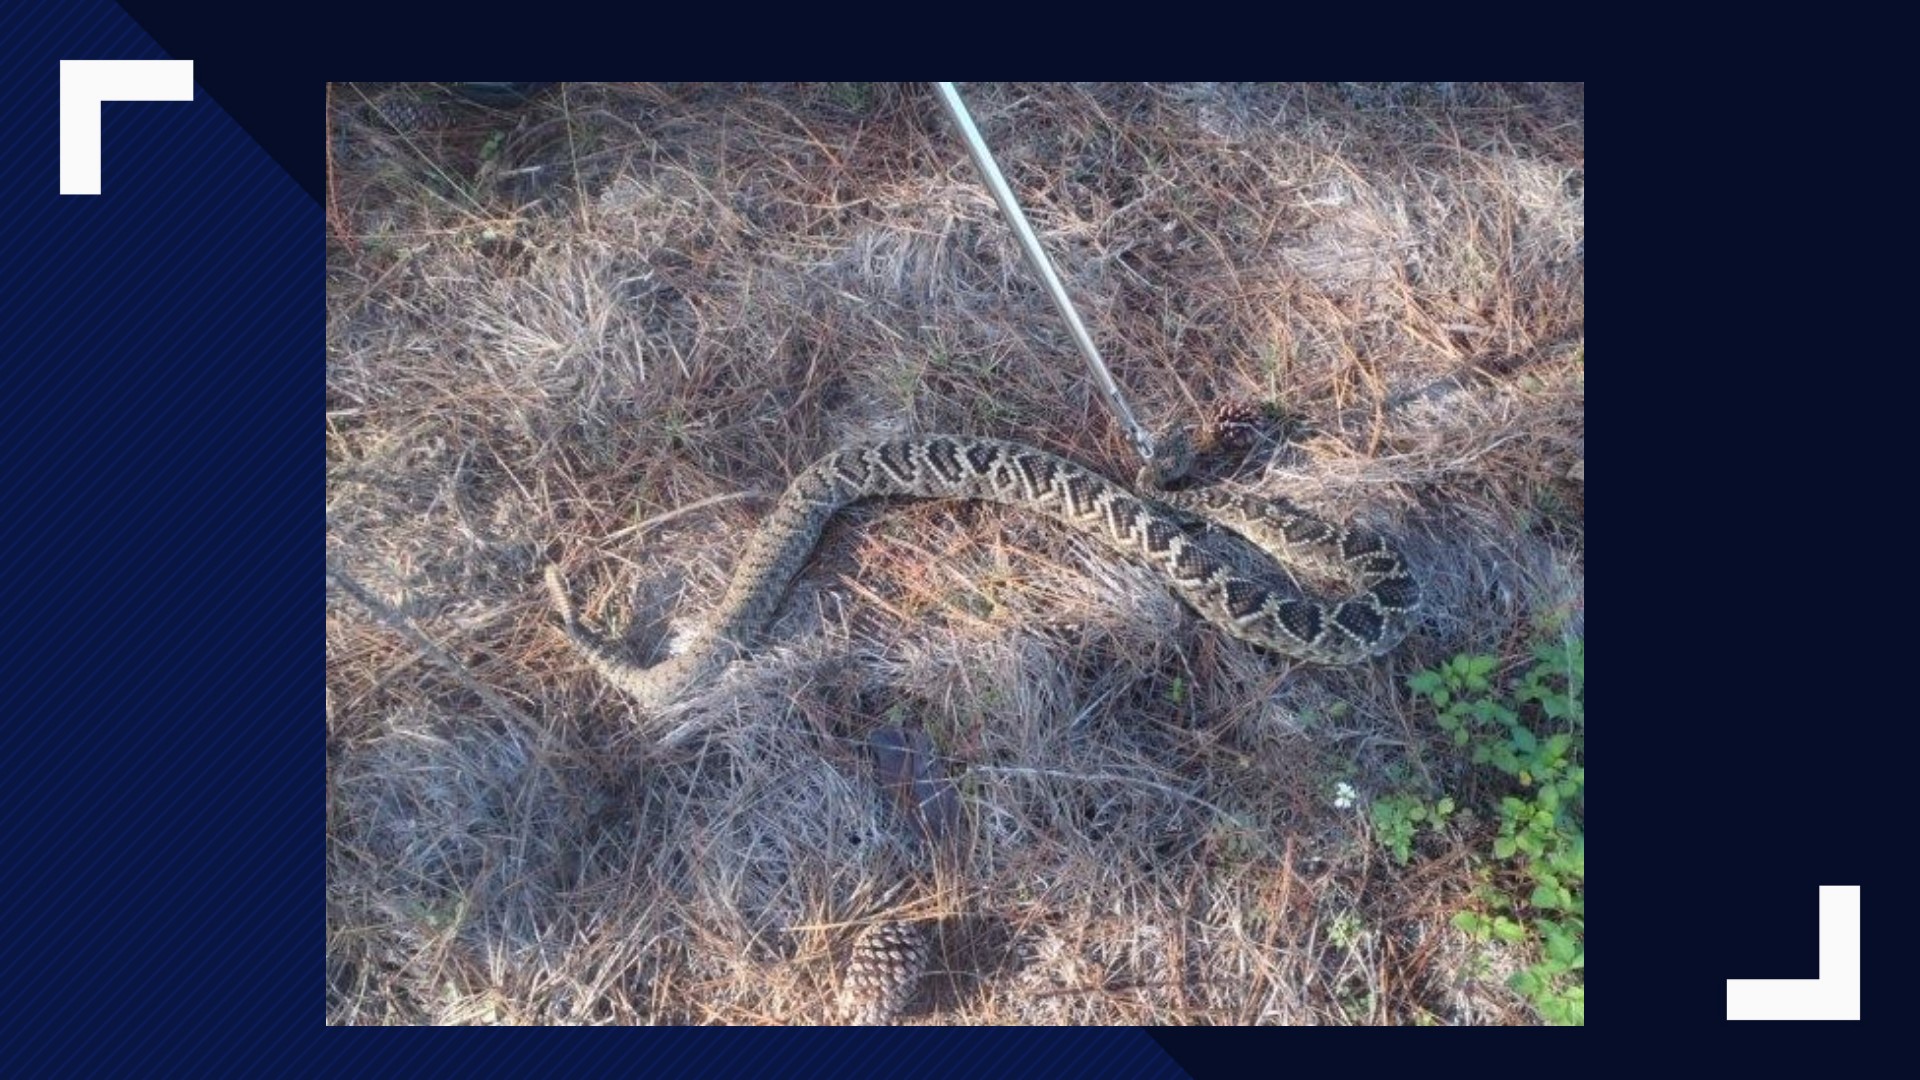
x: 1379, y: 601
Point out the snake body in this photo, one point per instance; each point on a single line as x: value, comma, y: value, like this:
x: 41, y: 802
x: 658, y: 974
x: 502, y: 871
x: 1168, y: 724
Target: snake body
x: 1381, y: 595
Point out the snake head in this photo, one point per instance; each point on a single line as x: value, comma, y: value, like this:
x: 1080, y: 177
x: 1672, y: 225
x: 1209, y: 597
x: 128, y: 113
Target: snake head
x: 1172, y: 459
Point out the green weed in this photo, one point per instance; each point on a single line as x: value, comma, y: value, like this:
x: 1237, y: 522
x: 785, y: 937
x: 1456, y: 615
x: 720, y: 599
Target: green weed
x: 1530, y: 730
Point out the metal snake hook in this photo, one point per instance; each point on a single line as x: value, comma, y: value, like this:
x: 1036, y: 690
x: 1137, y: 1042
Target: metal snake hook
x: 1029, y: 243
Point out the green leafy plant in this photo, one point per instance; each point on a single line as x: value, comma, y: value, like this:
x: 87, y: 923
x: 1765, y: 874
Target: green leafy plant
x: 1530, y: 729
x: 1397, y: 817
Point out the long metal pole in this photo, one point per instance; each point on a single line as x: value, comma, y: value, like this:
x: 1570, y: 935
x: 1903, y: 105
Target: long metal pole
x: 1029, y: 243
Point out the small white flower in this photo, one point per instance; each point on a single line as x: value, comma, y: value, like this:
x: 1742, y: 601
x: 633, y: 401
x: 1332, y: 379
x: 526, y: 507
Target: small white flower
x: 1343, y: 795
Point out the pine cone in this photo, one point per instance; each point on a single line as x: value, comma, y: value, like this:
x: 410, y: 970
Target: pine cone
x: 1234, y: 424
x: 887, y: 962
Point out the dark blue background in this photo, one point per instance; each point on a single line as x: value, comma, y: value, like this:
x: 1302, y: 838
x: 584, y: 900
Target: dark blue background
x: 163, y: 345
x: 162, y: 351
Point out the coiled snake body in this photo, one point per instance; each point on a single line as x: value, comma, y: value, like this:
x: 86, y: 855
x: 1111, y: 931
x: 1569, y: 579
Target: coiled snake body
x: 1380, y: 598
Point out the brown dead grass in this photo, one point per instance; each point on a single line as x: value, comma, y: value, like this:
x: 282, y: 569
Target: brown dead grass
x: 550, y: 327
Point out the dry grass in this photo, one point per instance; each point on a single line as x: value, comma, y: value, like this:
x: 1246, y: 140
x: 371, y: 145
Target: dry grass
x: 551, y: 327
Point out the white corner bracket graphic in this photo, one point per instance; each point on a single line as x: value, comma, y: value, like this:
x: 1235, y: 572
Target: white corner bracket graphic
x: 1835, y: 995
x: 84, y: 84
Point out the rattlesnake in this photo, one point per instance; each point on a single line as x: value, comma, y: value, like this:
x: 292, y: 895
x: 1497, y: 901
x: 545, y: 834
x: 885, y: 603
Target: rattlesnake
x: 1381, y: 598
